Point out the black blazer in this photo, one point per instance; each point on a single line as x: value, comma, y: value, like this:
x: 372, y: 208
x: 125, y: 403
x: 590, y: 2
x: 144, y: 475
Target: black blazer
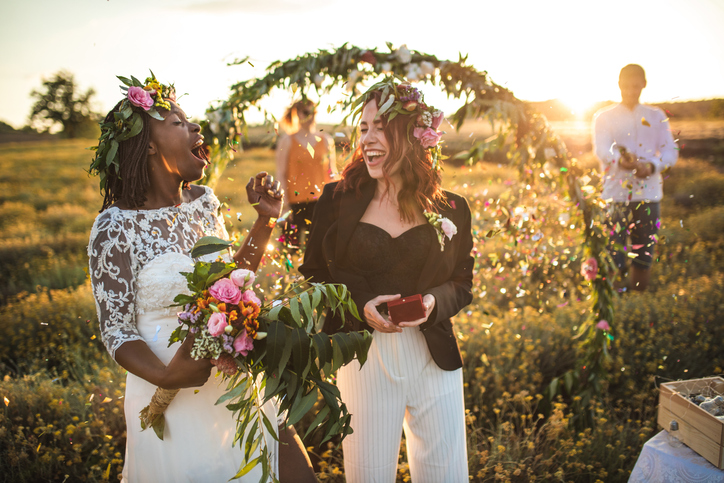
x: 448, y: 274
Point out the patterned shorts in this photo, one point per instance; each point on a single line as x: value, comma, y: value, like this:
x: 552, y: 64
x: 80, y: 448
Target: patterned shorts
x: 638, y: 220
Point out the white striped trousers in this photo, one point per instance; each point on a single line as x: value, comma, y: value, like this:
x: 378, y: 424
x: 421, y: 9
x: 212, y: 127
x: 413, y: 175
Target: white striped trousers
x: 401, y: 386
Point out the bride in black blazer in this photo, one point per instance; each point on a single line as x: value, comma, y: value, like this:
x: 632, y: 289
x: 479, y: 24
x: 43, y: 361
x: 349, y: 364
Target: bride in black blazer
x: 389, y: 232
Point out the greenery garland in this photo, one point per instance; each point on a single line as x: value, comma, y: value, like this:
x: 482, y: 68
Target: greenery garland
x: 539, y: 155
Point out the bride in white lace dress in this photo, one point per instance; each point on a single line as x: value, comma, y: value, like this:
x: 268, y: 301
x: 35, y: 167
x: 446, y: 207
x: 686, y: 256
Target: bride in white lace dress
x: 150, y: 220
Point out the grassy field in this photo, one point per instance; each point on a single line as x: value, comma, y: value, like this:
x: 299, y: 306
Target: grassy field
x: 62, y: 417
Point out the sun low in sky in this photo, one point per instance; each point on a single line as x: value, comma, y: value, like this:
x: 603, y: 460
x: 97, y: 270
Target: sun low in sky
x: 566, y: 49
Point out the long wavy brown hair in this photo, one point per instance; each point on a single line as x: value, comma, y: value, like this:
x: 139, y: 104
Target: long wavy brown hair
x: 420, y: 182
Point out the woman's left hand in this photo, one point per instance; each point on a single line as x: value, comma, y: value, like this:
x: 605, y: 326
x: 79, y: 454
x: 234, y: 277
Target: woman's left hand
x: 265, y: 195
x: 428, y: 302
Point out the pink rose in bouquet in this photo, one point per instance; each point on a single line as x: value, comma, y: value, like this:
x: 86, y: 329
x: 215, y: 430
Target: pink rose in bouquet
x: 225, y: 290
x: 217, y: 323
x: 428, y: 137
x: 243, y: 278
x: 243, y: 343
x: 589, y: 269
x: 140, y: 97
x: 603, y: 325
x: 250, y: 296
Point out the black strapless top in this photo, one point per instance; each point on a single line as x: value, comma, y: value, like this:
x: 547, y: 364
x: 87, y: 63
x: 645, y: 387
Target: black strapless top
x: 390, y: 265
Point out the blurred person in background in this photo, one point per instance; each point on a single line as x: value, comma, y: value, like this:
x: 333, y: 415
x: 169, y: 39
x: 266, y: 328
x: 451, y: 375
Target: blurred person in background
x: 306, y: 161
x: 634, y: 145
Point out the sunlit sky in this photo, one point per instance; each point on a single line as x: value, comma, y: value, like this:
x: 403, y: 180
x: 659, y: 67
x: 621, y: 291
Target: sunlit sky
x: 567, y: 49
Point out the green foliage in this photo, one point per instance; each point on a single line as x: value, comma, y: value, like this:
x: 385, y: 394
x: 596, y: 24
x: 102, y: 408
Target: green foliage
x: 55, y: 331
x: 514, y: 341
x: 525, y: 136
x: 290, y: 360
x: 705, y: 190
x: 59, y: 102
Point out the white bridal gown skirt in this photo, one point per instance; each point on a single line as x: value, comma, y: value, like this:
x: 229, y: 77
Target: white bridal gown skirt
x: 197, y: 444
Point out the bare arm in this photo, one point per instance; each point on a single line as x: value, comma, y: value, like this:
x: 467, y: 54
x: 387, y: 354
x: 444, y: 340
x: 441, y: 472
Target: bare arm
x: 267, y: 197
x: 282, y: 162
x: 183, y: 371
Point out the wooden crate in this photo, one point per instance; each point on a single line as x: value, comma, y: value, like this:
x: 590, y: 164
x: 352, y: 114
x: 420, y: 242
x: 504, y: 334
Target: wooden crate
x: 698, y: 429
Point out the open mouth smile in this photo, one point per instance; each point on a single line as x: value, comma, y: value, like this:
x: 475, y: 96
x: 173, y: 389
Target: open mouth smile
x: 198, y: 151
x: 374, y: 155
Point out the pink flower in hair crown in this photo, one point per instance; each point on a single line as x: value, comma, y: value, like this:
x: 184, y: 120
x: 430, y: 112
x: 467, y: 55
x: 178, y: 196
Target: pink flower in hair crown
x: 140, y: 97
x: 437, y: 117
x: 428, y: 136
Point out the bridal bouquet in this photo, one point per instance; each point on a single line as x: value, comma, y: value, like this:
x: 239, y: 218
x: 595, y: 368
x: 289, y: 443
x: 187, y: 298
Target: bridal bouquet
x: 264, y: 349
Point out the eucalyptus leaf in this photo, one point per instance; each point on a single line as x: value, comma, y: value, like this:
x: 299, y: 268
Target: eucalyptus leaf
x: 299, y: 340
x: 136, y: 126
x: 252, y: 440
x: 303, y: 407
x: 307, y: 306
x: 207, y: 245
x: 247, y: 468
x: 323, y: 347
x: 275, y: 343
x: 125, y: 80
x: 323, y: 413
x: 237, y: 391
x: 269, y: 427
x: 112, y: 151
x: 296, y: 314
x: 154, y: 114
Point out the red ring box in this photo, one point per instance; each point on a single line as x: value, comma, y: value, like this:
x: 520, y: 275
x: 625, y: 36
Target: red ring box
x: 406, y: 309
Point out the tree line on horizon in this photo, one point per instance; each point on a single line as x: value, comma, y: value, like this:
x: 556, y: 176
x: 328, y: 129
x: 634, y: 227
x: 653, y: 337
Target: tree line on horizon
x: 60, y: 104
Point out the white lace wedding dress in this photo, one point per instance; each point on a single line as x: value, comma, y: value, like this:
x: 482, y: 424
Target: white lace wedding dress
x: 135, y: 260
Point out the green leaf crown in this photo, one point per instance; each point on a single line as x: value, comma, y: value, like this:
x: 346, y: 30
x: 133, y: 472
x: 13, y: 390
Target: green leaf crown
x: 128, y: 122
x: 399, y: 97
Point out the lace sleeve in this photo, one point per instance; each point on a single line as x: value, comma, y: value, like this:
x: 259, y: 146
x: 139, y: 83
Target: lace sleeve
x: 112, y: 277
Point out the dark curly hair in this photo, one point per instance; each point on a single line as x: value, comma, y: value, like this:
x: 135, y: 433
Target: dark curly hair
x: 420, y: 182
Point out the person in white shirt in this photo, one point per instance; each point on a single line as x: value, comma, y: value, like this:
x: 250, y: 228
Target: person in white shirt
x: 635, y: 147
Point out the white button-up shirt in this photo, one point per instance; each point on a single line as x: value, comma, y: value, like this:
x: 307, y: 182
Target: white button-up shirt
x: 645, y: 133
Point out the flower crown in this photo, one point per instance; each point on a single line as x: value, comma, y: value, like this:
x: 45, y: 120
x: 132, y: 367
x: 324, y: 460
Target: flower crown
x: 400, y: 98
x: 128, y: 121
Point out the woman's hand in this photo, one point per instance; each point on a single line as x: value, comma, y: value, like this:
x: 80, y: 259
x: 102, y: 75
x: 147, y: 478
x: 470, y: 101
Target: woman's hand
x: 184, y: 370
x: 428, y: 302
x: 265, y: 195
x: 376, y: 320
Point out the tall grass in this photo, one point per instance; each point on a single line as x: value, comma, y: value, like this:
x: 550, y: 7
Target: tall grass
x: 62, y: 417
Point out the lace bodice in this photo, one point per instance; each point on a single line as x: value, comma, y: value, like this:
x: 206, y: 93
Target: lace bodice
x: 135, y: 260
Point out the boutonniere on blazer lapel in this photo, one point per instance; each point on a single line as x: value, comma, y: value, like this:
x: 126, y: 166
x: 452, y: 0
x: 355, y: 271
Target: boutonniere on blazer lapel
x: 443, y: 226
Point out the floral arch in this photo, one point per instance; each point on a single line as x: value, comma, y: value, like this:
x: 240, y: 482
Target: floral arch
x: 530, y: 145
